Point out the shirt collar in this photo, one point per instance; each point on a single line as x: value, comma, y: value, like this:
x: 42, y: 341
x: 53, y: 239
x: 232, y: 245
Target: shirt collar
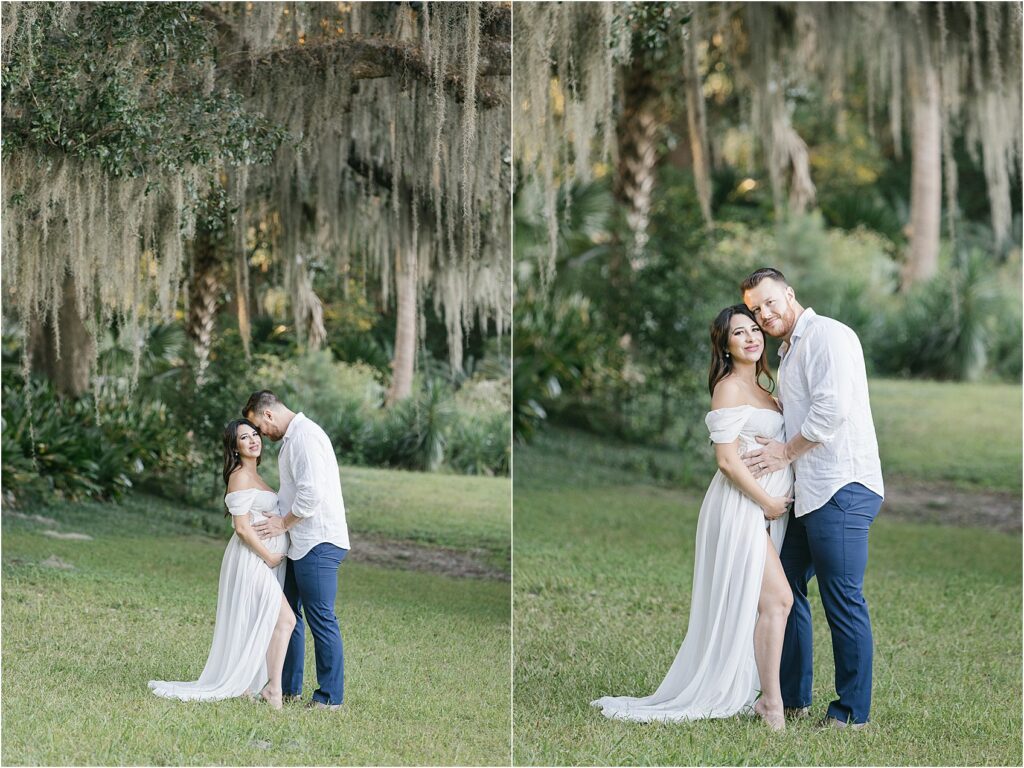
x: 295, y: 420
x: 798, y: 330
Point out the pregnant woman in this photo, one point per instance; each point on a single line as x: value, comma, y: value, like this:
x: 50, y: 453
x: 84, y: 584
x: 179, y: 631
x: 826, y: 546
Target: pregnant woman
x: 741, y: 598
x: 254, y: 621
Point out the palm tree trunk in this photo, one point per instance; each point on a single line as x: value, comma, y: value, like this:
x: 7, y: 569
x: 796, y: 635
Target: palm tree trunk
x: 637, y: 136
x: 205, y: 291
x: 637, y: 130
x: 405, y: 331
x: 240, y: 180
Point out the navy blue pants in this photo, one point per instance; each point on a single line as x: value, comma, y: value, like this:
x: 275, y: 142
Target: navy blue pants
x: 311, y: 586
x: 831, y: 543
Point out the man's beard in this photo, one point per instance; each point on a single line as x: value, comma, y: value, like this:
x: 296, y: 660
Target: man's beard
x: 783, y: 324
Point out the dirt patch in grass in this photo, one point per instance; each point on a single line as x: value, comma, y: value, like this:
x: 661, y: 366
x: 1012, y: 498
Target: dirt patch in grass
x: 409, y: 556
x: 367, y: 548
x: 946, y: 505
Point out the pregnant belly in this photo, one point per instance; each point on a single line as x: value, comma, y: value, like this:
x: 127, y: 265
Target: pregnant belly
x: 278, y: 544
x: 778, y: 483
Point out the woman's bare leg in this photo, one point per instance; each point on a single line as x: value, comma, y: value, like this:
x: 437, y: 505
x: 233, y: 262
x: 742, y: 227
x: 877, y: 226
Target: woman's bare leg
x: 275, y: 654
x: 772, y: 612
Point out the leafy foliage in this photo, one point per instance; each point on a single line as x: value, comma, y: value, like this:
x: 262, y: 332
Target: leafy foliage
x: 561, y: 347
x: 165, y: 433
x: 91, y: 447
x: 481, y: 445
x: 124, y: 84
x: 562, y: 341
x: 947, y: 326
x: 434, y: 429
x: 633, y: 365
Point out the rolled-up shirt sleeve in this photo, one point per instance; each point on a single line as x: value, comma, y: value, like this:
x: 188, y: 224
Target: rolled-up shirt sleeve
x: 308, y: 492
x: 829, y: 389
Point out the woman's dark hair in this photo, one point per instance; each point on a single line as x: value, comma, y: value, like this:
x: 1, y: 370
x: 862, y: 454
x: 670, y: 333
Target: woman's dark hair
x: 721, y: 361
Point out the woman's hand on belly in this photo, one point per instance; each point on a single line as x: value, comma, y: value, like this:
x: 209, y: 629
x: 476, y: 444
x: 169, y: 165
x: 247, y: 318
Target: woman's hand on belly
x: 777, y: 507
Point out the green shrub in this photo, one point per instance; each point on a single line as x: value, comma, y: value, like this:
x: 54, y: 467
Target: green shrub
x: 165, y: 433
x: 556, y: 343
x: 97, y: 446
x: 847, y: 275
x: 434, y: 428
x: 421, y: 423
x: 340, y: 397
x: 479, y: 441
x: 946, y: 328
x: 481, y: 444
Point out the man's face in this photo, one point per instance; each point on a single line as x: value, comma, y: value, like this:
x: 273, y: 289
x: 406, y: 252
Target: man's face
x: 774, y: 305
x: 266, y: 424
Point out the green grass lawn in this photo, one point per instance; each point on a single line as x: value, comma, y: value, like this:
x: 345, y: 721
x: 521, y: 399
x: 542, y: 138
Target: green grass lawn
x: 458, y: 511
x: 451, y: 510
x: 427, y: 657
x: 603, y: 569
x: 965, y: 434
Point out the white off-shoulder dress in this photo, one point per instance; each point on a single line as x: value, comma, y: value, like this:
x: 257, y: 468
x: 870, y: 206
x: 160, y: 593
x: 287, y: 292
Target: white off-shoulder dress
x: 714, y: 674
x: 248, y: 604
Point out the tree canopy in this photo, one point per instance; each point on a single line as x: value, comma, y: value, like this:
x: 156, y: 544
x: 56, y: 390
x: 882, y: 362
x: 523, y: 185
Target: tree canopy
x: 144, y: 143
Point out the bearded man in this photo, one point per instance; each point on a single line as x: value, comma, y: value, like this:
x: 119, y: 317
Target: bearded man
x: 830, y: 441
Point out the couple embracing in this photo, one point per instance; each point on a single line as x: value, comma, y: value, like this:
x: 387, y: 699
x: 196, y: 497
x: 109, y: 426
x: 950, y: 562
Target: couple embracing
x: 280, y: 565
x: 748, y: 646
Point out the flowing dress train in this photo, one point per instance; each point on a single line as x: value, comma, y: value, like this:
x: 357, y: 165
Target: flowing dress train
x: 714, y: 674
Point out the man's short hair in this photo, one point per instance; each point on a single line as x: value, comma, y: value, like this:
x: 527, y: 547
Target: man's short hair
x: 259, y: 402
x: 764, y: 273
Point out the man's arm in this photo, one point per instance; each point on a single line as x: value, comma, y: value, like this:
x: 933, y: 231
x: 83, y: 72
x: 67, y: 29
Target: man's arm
x: 308, y: 493
x: 830, y: 378
x: 308, y: 470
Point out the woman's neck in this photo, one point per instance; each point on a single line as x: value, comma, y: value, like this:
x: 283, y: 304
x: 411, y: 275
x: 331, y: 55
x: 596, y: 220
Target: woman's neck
x: 745, y: 372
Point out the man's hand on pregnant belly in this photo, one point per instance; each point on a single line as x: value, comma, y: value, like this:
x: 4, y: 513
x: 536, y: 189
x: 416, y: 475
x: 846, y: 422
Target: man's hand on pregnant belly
x: 763, y: 461
x: 270, y: 526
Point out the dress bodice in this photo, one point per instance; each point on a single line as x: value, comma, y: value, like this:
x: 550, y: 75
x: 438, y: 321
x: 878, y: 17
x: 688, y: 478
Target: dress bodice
x: 745, y: 422
x: 255, y: 502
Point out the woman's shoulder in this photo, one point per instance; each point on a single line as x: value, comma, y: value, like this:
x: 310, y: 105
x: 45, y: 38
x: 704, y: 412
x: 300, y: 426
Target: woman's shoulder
x: 728, y: 394
x: 243, y: 482
x: 238, y: 481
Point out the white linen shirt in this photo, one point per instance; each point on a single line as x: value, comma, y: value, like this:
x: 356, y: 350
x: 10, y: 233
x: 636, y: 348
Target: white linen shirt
x: 823, y: 388
x: 311, y: 488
